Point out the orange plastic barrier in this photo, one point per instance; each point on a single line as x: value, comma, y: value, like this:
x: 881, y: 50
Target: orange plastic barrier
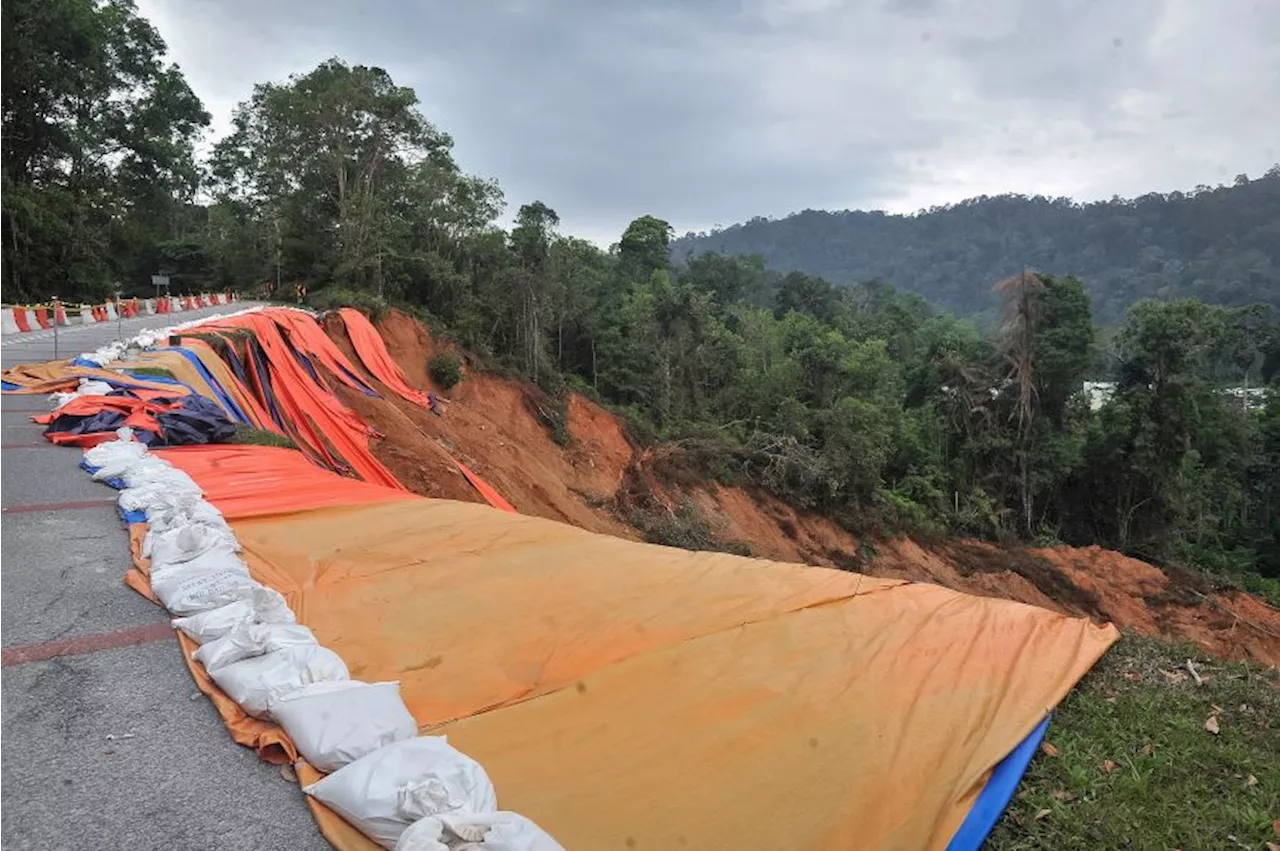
x: 630, y: 695
x: 20, y: 318
x: 42, y: 317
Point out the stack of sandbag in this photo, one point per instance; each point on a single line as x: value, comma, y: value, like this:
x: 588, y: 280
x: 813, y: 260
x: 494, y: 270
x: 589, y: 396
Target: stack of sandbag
x: 406, y: 792
x: 421, y: 794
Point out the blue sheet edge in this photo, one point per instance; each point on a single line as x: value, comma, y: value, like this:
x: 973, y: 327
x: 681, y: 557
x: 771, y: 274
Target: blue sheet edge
x: 995, y: 796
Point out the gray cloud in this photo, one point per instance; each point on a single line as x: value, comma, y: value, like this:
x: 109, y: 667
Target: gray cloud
x: 710, y: 113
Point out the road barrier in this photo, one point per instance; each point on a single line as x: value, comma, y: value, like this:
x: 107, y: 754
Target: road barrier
x: 25, y: 318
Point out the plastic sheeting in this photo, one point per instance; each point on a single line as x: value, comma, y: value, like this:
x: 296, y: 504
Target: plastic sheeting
x: 251, y: 481
x: 747, y: 703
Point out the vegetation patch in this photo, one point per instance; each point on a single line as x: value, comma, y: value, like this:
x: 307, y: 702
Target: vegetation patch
x: 445, y: 370
x: 247, y: 434
x: 1141, y: 756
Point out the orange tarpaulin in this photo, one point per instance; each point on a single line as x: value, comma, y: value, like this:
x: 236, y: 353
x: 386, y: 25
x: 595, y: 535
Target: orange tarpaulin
x: 616, y: 690
x: 320, y: 420
x: 63, y: 375
x: 251, y: 481
x: 373, y: 352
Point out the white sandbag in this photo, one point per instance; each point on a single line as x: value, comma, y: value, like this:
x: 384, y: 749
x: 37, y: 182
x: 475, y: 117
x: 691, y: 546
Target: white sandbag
x: 251, y: 639
x: 222, y: 556
x: 386, y: 791
x: 264, y: 605
x: 188, y: 590
x: 152, y: 470
x: 185, y: 543
x: 117, y: 463
x: 123, y: 446
x: 497, y: 831
x: 184, y: 509
x: 333, y: 725
x: 254, y: 683
x: 215, y: 623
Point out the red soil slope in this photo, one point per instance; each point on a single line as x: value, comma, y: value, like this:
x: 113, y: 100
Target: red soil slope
x: 493, y: 426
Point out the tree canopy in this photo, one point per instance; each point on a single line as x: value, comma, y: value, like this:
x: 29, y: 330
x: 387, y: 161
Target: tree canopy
x: 1220, y: 245
x: 99, y: 171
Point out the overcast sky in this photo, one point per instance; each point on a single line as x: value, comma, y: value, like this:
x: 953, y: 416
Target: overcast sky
x: 709, y: 113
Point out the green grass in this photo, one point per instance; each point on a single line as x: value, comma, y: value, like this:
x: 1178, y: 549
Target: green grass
x: 152, y: 371
x: 1136, y: 768
x: 258, y: 437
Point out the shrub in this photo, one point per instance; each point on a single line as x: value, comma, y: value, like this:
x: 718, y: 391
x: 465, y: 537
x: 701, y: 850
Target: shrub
x: 445, y: 370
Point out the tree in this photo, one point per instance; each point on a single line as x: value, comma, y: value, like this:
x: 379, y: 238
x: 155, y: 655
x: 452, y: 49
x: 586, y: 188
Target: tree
x: 98, y: 159
x: 531, y: 241
x: 326, y: 160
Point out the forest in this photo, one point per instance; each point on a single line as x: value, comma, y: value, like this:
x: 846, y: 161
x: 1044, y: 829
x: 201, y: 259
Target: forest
x: 1220, y: 245
x: 838, y: 391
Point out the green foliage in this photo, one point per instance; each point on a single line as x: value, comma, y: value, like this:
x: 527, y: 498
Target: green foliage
x: 99, y: 173
x: 445, y: 370
x: 686, y: 527
x: 258, y: 437
x: 1219, y: 244
x: 1136, y: 768
x: 334, y: 297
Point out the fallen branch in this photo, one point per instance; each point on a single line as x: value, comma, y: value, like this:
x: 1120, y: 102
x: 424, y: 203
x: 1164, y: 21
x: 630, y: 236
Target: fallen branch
x: 1195, y: 675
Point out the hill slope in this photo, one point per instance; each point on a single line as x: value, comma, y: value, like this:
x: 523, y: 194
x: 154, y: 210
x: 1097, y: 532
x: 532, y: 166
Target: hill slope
x: 1219, y: 245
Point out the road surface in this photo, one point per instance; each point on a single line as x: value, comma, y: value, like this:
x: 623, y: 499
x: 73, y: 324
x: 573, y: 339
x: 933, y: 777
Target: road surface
x: 106, y: 743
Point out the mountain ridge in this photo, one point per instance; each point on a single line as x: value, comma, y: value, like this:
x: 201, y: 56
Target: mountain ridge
x: 1219, y: 244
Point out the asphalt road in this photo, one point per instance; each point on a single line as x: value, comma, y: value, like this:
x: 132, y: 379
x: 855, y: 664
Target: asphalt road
x: 106, y: 743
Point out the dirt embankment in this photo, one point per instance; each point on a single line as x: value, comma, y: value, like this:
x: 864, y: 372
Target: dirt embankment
x: 600, y: 482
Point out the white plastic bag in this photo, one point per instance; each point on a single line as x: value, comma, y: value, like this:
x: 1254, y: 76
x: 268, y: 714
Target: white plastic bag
x: 264, y: 605
x: 386, y: 791
x: 334, y: 724
x: 188, y: 590
x: 497, y: 831
x: 254, y: 683
x: 251, y: 639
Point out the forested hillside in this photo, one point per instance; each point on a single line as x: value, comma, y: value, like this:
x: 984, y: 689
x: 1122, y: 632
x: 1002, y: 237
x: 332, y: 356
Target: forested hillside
x: 1220, y: 245
x: 865, y: 403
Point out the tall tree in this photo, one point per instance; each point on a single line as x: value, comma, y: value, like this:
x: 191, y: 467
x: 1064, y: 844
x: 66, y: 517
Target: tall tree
x: 323, y: 159
x: 98, y: 160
